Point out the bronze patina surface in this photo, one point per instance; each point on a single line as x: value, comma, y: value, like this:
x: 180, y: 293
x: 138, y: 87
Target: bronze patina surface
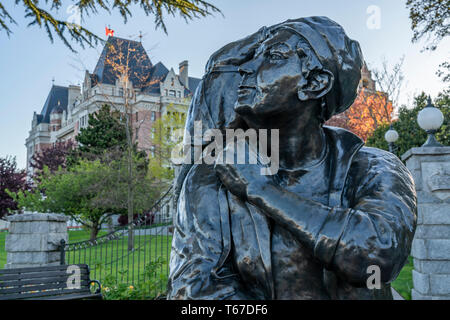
x: 334, y: 208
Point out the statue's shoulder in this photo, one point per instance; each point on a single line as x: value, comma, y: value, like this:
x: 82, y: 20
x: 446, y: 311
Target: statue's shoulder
x: 376, y: 156
x: 371, y: 161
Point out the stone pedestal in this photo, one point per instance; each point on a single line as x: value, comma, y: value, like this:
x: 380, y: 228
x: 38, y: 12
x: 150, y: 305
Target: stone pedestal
x: 430, y: 168
x: 34, y: 238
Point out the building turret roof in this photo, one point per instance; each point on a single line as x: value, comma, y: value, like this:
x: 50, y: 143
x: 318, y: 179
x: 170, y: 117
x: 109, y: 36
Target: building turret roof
x: 56, y: 101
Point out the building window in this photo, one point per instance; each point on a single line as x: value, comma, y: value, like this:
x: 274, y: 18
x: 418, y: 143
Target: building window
x: 120, y: 92
x: 172, y: 93
x: 165, y: 91
x: 153, y: 116
x: 179, y: 94
x: 137, y: 116
x: 83, y: 121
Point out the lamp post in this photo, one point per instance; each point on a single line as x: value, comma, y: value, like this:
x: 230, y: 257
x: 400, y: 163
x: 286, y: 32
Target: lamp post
x: 391, y: 136
x: 430, y: 119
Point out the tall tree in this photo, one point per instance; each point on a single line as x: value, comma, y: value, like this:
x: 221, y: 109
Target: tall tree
x: 12, y: 180
x: 430, y: 19
x: 167, y: 133
x: 105, y: 130
x: 53, y: 157
x: 122, y: 59
x: 368, y: 112
x: 373, y: 108
x: 67, y: 31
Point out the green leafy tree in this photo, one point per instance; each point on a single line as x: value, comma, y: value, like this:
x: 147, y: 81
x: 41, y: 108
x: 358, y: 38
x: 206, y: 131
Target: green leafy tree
x: 91, y: 191
x: 70, y: 192
x: 410, y: 134
x: 167, y: 133
x: 43, y: 15
x: 12, y: 180
x: 430, y: 19
x: 104, y: 132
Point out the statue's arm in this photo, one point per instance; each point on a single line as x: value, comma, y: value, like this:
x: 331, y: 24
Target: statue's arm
x: 197, y: 269
x: 376, y: 230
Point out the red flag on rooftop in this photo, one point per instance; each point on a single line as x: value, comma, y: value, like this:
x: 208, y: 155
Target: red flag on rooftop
x: 109, y: 32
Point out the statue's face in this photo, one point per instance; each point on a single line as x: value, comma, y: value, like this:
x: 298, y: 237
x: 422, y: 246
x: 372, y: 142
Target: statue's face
x: 270, y: 79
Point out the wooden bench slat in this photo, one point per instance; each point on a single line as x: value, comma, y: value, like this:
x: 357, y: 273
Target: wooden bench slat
x: 23, y: 282
x: 40, y: 269
x: 34, y: 275
x: 40, y: 287
x: 44, y: 294
x: 72, y: 297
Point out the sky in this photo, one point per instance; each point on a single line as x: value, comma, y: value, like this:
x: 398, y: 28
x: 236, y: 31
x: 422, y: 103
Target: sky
x: 29, y: 61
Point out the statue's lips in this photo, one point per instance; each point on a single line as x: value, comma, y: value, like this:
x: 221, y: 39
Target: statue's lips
x: 245, y: 91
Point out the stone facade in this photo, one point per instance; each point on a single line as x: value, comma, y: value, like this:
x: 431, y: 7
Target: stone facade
x: 430, y: 167
x: 34, y: 238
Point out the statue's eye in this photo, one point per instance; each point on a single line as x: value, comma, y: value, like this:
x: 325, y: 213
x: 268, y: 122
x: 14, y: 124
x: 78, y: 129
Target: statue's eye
x: 276, y: 55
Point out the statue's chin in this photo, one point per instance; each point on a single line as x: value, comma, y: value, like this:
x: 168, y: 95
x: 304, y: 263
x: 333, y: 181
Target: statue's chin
x: 243, y: 109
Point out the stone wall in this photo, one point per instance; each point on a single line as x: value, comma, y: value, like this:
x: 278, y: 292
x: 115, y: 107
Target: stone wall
x: 430, y: 167
x: 34, y: 238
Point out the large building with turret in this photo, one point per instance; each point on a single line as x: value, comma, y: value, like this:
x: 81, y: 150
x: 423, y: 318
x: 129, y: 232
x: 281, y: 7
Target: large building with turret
x: 123, y: 78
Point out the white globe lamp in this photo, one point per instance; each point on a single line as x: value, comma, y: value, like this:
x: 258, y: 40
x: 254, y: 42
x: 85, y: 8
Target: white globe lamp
x: 430, y: 119
x: 391, y: 136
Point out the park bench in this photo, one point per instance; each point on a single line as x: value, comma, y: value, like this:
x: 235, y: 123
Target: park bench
x: 63, y: 282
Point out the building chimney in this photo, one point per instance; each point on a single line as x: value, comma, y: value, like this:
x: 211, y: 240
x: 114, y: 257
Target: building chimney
x: 184, y: 73
x: 74, y: 92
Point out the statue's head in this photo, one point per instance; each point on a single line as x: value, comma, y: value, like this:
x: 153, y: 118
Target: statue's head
x: 299, y: 62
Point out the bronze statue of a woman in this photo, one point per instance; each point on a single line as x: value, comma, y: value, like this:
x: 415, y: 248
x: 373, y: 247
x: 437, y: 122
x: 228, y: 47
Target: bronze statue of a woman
x: 334, y: 210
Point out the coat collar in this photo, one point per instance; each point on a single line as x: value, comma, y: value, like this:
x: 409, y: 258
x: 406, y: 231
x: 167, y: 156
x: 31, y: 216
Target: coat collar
x: 343, y: 147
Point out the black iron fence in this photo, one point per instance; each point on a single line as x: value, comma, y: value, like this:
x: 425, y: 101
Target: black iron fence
x: 143, y: 261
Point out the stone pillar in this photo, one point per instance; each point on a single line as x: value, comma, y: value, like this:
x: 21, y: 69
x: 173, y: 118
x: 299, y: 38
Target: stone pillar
x: 430, y: 167
x: 33, y: 239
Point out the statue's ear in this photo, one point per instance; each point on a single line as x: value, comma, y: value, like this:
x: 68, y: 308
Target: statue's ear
x: 316, y: 85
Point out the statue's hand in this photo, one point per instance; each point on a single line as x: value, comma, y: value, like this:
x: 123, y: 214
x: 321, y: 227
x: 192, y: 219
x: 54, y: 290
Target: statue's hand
x: 240, y: 178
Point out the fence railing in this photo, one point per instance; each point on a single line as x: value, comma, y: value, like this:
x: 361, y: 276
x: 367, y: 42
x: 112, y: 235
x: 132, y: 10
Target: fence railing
x: 111, y: 259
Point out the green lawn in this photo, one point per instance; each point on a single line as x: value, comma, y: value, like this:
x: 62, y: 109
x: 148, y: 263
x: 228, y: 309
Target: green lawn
x: 113, y: 258
x: 403, y: 284
x: 2, y: 249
